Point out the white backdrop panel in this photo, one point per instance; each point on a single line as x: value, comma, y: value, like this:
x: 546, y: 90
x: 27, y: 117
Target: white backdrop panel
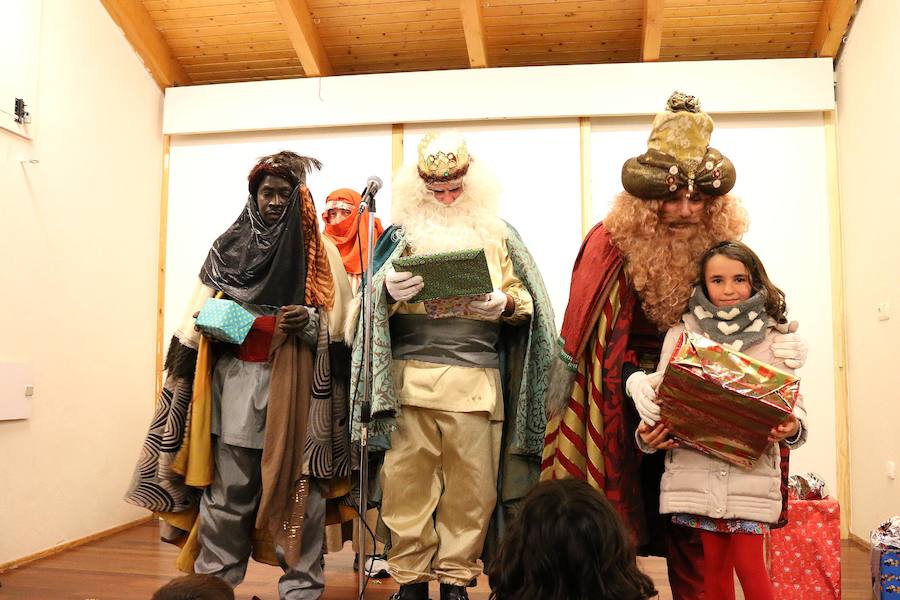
x: 781, y: 166
x: 208, y: 189
x: 781, y: 174
x: 538, y: 166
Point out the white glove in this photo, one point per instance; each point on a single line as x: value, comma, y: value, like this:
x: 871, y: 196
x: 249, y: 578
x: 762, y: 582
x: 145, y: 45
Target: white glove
x: 642, y: 389
x: 403, y: 286
x: 491, y: 307
x: 792, y: 348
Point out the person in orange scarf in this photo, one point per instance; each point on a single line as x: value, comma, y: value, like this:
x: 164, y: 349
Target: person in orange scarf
x: 349, y: 231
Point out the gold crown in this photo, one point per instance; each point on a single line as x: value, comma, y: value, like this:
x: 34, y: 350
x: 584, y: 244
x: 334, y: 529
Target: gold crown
x: 443, y: 156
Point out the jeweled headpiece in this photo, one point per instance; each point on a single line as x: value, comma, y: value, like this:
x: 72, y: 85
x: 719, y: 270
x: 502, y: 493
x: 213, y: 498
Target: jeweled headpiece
x: 443, y: 156
x: 678, y: 155
x: 288, y: 165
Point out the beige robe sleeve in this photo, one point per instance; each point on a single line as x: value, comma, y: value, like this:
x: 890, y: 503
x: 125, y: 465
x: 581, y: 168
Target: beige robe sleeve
x: 342, y: 292
x: 513, y: 286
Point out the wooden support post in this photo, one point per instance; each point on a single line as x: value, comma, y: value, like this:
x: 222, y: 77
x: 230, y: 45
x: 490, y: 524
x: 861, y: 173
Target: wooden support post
x: 304, y: 37
x: 141, y: 33
x: 473, y: 26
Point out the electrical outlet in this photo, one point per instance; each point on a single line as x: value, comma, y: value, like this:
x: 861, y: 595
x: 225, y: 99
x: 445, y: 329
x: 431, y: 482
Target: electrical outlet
x: 890, y: 469
x: 29, y: 391
x: 883, y: 310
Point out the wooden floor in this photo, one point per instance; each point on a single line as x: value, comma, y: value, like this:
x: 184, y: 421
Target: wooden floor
x: 132, y: 564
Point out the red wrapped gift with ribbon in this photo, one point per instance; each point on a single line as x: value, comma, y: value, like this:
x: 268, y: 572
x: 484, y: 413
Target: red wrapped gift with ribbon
x: 805, y: 555
x: 723, y: 402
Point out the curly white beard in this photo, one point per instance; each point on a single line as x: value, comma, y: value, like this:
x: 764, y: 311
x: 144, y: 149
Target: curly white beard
x: 470, y: 222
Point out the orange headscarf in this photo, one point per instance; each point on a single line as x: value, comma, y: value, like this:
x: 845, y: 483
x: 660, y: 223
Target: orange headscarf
x: 353, y: 248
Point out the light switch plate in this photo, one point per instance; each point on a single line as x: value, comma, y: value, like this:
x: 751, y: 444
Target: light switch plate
x: 15, y: 402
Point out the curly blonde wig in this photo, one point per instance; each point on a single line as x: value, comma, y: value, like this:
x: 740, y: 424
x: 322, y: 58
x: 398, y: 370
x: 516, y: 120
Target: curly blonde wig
x: 662, y: 265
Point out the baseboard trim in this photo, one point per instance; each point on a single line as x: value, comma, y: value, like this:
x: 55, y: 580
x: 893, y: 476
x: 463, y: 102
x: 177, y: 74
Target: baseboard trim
x: 20, y: 562
x: 860, y: 542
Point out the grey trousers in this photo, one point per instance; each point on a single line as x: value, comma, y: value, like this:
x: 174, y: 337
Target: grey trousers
x: 227, y: 517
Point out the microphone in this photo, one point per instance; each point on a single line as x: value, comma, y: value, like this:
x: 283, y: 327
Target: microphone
x: 373, y: 184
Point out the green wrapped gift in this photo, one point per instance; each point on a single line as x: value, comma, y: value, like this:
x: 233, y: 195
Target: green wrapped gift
x: 448, y: 274
x: 225, y: 320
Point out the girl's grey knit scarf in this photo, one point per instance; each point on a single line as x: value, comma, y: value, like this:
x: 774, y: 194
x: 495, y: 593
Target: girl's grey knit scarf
x: 740, y: 326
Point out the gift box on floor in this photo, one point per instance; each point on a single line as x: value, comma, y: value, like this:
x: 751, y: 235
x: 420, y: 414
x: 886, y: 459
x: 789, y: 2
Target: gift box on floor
x: 886, y: 573
x: 886, y: 560
x: 225, y: 320
x: 722, y: 402
x: 805, y: 555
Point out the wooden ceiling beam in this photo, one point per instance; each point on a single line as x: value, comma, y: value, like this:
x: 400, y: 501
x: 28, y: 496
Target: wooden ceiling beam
x: 304, y: 37
x: 832, y: 25
x: 473, y: 27
x: 141, y: 33
x: 652, y: 30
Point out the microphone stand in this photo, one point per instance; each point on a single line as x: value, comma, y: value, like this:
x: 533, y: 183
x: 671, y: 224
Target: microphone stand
x: 365, y: 404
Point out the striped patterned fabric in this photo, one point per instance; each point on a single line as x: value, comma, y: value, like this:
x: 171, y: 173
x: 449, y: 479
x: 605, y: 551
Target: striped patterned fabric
x: 327, y: 448
x: 593, y: 440
x: 156, y: 485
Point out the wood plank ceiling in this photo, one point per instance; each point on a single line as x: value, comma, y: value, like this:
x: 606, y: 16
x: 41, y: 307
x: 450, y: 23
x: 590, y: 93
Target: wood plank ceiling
x: 187, y: 42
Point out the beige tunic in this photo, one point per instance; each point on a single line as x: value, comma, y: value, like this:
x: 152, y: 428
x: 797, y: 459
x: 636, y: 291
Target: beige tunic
x: 454, y: 388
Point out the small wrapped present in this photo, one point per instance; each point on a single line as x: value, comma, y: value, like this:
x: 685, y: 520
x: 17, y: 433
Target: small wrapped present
x: 887, y: 535
x: 885, y: 573
x: 807, y: 486
x: 448, y: 274
x: 722, y: 402
x: 225, y: 320
x: 886, y: 560
x: 805, y: 555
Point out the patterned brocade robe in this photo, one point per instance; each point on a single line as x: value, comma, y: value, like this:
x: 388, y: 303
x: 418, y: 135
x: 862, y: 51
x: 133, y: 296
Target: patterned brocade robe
x: 590, y: 436
x: 526, y: 353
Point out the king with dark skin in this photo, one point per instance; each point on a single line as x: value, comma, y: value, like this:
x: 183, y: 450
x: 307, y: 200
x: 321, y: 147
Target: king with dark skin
x: 272, y: 198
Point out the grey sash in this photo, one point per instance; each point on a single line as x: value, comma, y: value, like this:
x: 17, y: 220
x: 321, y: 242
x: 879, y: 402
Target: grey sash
x: 451, y: 341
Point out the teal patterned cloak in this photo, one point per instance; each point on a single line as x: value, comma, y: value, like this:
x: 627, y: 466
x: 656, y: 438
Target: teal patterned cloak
x: 526, y: 352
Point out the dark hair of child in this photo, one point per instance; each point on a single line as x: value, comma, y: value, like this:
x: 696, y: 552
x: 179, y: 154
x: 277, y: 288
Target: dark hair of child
x: 567, y: 543
x: 195, y: 587
x: 776, y: 306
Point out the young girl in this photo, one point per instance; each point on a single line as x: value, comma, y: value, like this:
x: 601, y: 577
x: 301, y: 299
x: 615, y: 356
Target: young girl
x: 734, y: 304
x: 567, y: 543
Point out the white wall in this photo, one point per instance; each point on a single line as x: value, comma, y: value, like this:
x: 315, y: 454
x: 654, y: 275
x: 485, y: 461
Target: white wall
x: 868, y: 93
x: 20, y: 34
x: 78, y: 237
x: 726, y: 86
